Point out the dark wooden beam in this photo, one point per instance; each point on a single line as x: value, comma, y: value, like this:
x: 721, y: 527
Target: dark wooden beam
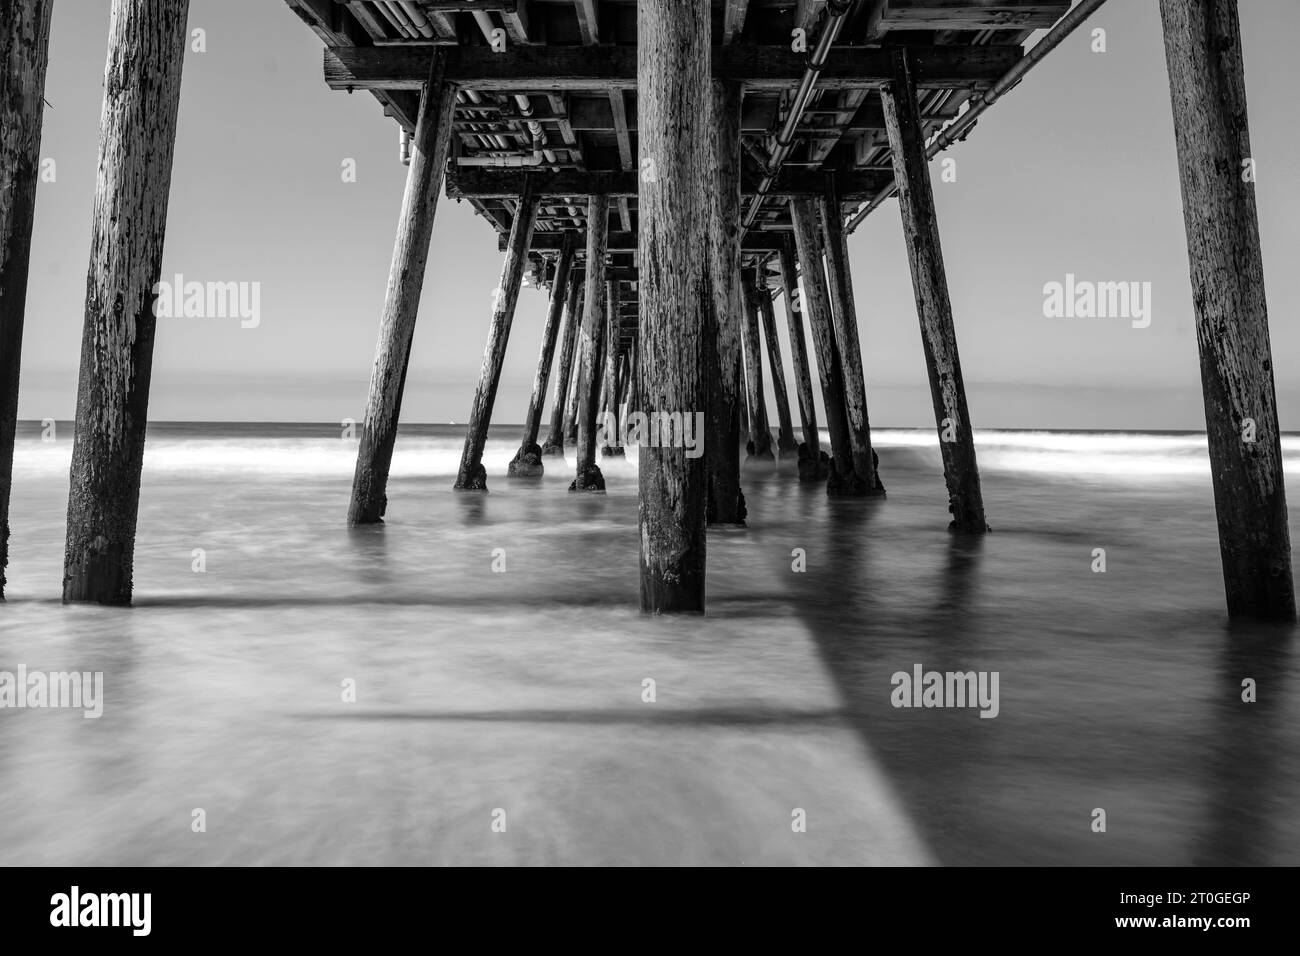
x: 588, y: 24
x: 755, y: 241
x: 964, y: 15
x: 733, y: 19
x: 537, y: 68
x: 473, y: 182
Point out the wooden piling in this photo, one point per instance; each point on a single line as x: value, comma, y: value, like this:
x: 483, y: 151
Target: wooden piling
x: 673, y: 109
x: 527, y: 462
x: 811, y: 465
x: 933, y: 305
x: 1202, y: 41
x: 24, y: 56
x: 611, y: 446
x: 137, y: 137
x: 554, y: 445
x: 817, y: 306
x: 588, y: 475
x: 726, y: 501
x: 424, y: 177
x: 845, y: 318
x: 759, y: 446
x: 785, y: 443
x: 473, y: 476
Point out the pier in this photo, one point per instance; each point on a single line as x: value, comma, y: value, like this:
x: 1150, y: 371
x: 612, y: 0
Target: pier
x: 666, y: 170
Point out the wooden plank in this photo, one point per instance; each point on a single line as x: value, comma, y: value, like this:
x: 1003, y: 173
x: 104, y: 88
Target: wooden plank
x: 622, y: 241
x: 541, y: 68
x: 1202, y: 40
x: 588, y: 24
x: 478, y: 182
x: 964, y: 15
x: 933, y: 305
x: 619, y: 115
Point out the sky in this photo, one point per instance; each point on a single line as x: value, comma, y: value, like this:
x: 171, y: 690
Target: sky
x: 1073, y: 172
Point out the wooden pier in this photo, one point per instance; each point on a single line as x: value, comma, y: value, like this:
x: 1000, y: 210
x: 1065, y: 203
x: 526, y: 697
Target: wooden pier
x: 666, y: 169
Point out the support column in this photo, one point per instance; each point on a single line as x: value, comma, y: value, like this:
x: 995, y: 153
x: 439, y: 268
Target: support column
x: 24, y: 56
x: 813, y: 462
x: 845, y: 316
x: 554, y: 446
x: 527, y: 462
x: 473, y: 476
x: 817, y: 306
x: 759, y: 446
x: 137, y: 137
x: 594, y: 320
x: 611, y: 445
x: 1212, y: 132
x: 933, y: 305
x: 673, y: 100
x: 726, y: 501
x: 785, y: 443
x: 429, y: 149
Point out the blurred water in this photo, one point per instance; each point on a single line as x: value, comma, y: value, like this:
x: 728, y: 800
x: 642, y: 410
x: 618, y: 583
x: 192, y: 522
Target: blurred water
x: 522, y: 690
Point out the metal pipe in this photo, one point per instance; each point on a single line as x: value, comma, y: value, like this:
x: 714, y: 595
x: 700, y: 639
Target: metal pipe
x: 408, y: 28
x: 418, y: 19
x: 391, y: 18
x: 978, y: 104
x: 785, y: 139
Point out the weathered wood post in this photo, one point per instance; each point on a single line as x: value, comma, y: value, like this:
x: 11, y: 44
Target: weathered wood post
x: 785, y: 443
x: 527, y: 462
x: 24, y: 56
x: 473, y: 476
x: 611, y: 446
x: 588, y: 475
x: 424, y: 177
x: 933, y: 305
x: 811, y: 461
x: 726, y: 501
x: 845, y: 316
x: 673, y: 100
x: 1207, y: 88
x: 760, y: 434
x: 817, y: 306
x: 554, y: 446
x: 137, y: 137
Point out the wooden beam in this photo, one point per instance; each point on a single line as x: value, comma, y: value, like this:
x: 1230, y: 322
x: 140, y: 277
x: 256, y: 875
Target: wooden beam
x: 619, y: 111
x: 588, y: 23
x: 472, y: 475
x: 137, y: 138
x: 755, y: 241
x: 429, y: 148
x: 1202, y: 40
x: 24, y: 60
x: 673, y: 102
x: 806, y: 14
x: 733, y: 19
x: 476, y: 182
x: 541, y: 68
x: 933, y: 305
x: 1018, y: 15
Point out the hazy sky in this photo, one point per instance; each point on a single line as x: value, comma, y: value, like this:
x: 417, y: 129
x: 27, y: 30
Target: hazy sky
x: 1072, y: 172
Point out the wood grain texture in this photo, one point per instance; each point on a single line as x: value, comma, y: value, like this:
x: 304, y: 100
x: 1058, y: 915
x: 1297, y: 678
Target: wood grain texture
x: 1207, y: 90
x: 673, y: 104
x: 424, y: 176
x: 722, y: 337
x: 137, y: 137
x: 553, y: 447
x: 799, y: 349
x: 591, y: 335
x: 760, y: 433
x: 560, y: 293
x: 472, y: 476
x: 24, y: 57
x: 785, y: 442
x: 933, y: 305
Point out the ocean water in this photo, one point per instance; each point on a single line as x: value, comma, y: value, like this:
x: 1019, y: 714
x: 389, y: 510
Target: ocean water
x: 500, y: 714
